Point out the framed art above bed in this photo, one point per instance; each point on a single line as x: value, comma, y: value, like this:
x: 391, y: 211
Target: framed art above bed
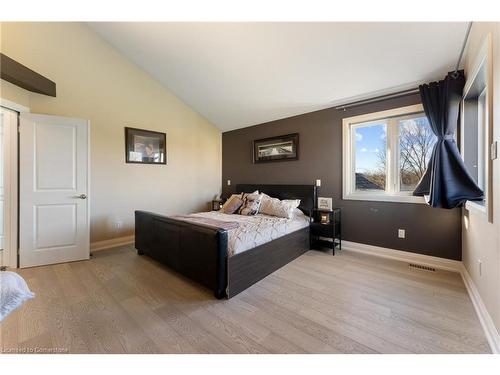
x: 280, y: 148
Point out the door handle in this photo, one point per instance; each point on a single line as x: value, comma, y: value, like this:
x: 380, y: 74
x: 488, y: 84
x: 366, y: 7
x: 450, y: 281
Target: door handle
x: 81, y: 196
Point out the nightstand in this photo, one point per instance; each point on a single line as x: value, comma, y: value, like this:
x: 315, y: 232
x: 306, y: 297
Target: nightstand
x: 325, y: 225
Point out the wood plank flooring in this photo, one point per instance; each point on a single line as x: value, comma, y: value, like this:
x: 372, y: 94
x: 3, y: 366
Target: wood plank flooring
x: 119, y: 302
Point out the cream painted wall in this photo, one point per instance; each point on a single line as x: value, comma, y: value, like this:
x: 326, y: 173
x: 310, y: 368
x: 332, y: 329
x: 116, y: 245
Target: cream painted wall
x: 95, y: 82
x: 14, y: 93
x: 481, y: 240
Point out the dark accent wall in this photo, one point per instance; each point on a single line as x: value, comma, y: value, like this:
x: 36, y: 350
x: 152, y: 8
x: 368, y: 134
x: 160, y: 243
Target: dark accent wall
x: 429, y: 231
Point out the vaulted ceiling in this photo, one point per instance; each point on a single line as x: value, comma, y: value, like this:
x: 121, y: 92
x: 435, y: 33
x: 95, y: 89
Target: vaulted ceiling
x: 242, y: 74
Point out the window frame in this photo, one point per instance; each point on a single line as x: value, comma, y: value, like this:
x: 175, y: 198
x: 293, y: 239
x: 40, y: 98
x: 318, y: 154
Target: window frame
x: 391, y: 193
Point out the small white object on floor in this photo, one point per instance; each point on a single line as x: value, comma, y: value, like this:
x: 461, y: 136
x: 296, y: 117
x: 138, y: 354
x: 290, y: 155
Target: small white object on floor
x: 14, y: 292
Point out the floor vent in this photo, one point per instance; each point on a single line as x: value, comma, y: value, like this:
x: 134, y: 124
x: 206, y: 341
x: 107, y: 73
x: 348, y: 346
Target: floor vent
x: 421, y: 267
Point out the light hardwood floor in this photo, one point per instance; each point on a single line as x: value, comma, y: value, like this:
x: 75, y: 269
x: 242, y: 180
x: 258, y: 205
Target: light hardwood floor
x: 119, y: 302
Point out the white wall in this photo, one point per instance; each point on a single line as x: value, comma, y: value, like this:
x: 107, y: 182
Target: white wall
x: 481, y: 240
x: 95, y: 82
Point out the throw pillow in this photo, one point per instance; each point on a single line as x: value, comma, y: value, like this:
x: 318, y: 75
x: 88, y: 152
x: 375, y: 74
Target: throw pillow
x: 280, y: 208
x: 232, y: 204
x: 251, y: 204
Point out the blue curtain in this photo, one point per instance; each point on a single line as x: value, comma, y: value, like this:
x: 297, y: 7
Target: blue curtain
x: 446, y: 179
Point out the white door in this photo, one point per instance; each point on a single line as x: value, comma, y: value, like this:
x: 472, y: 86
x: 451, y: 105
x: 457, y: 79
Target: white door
x: 53, y: 189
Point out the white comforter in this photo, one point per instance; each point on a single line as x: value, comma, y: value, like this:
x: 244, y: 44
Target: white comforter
x: 13, y: 292
x: 256, y: 230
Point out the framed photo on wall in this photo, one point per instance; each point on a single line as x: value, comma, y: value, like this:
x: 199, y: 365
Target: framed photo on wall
x: 145, y: 146
x: 280, y: 148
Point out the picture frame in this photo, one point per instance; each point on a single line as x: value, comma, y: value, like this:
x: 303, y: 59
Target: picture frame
x: 325, y: 204
x: 279, y: 148
x: 145, y: 146
x: 217, y: 204
x: 325, y: 218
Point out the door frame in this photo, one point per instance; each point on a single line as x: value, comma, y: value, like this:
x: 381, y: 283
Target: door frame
x: 11, y: 187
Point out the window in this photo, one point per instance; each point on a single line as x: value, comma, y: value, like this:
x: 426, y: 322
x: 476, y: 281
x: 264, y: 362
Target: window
x: 474, y: 139
x: 386, y: 154
x: 482, y: 117
x: 476, y: 127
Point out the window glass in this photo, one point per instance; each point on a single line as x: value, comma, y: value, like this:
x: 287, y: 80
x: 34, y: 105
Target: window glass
x: 481, y: 139
x: 416, y: 142
x: 370, y: 156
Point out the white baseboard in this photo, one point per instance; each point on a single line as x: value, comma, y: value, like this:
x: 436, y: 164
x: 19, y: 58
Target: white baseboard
x: 426, y: 260
x: 489, y: 328
x: 114, y: 242
x: 484, y: 317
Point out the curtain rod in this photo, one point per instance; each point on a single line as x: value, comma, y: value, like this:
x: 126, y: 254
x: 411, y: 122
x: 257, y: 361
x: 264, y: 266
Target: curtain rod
x: 455, y: 73
x: 378, y: 98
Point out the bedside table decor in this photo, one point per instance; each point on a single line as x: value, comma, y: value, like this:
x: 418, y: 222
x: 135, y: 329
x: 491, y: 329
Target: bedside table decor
x: 325, y: 226
x: 217, y: 204
x: 325, y: 218
x: 325, y: 204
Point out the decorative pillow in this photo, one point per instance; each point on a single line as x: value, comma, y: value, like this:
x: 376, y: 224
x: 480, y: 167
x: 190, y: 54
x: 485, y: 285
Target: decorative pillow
x: 232, y: 204
x: 13, y: 292
x: 251, y: 204
x: 275, y: 207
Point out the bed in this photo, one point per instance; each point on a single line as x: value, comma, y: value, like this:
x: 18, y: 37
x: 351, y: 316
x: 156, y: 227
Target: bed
x: 204, y: 253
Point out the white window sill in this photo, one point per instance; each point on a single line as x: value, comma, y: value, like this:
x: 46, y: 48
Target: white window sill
x: 384, y: 198
x: 478, y: 207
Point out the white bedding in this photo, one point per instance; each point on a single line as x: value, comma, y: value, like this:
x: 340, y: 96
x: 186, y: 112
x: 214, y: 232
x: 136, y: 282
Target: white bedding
x: 13, y: 292
x: 256, y: 230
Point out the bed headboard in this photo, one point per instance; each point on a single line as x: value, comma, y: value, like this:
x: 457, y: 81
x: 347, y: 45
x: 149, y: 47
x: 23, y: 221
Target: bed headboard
x: 306, y: 193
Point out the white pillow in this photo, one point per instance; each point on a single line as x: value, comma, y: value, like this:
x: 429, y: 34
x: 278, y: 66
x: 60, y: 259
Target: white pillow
x: 14, y: 292
x: 298, y: 212
x: 275, y: 207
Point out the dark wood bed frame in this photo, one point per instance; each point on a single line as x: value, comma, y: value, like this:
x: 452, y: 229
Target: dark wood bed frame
x: 199, y: 252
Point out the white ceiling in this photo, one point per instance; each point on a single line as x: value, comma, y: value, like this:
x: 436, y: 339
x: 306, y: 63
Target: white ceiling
x: 242, y: 74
